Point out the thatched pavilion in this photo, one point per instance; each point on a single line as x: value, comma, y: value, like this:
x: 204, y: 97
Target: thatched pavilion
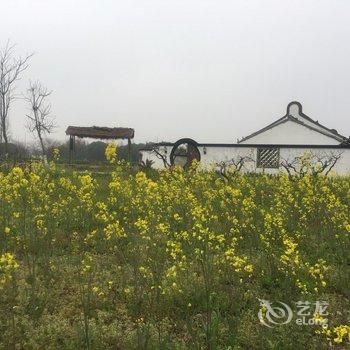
x: 96, y: 132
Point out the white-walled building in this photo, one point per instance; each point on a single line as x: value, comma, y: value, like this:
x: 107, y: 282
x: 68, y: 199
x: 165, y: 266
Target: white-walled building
x: 279, y: 146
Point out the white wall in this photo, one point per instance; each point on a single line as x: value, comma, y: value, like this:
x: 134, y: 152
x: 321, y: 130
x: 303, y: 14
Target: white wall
x: 218, y: 154
x: 157, y: 162
x: 291, y: 133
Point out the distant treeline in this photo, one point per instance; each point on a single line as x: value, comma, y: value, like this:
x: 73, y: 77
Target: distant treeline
x: 85, y: 152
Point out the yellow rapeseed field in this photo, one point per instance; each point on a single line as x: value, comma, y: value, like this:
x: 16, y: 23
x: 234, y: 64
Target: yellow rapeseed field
x: 170, y: 259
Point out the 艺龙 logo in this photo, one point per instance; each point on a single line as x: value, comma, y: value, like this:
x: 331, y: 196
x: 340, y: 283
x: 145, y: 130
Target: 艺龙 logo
x: 280, y: 313
x: 271, y: 316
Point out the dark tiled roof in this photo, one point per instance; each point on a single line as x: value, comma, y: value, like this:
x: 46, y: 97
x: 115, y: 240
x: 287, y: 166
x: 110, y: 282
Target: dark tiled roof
x: 326, y: 131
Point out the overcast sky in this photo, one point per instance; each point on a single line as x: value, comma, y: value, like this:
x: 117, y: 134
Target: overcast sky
x: 212, y: 70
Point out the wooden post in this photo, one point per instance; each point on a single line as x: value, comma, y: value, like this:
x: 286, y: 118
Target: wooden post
x: 70, y: 148
x: 74, y: 155
x: 129, y: 149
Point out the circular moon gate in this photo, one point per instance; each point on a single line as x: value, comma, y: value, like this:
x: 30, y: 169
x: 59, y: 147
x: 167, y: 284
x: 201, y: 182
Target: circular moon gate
x: 184, y: 152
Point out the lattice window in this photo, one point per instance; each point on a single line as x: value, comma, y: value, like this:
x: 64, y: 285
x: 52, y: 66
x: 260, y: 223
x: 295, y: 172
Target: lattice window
x: 268, y: 158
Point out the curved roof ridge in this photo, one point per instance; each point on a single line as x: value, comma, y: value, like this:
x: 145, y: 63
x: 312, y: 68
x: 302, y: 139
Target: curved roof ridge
x: 290, y: 116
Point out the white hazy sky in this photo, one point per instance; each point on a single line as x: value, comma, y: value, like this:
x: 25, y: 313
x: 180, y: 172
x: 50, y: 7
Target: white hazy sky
x: 210, y: 70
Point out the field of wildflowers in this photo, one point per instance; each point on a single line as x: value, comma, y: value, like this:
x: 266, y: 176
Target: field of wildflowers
x: 169, y: 260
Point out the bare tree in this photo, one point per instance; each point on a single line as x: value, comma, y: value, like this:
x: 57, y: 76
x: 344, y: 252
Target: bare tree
x: 40, y: 120
x: 162, y: 156
x: 11, y: 68
x: 229, y: 169
x: 310, y: 163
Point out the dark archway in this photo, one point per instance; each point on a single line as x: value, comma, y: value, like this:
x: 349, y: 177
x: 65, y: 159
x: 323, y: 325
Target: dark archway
x: 184, y: 152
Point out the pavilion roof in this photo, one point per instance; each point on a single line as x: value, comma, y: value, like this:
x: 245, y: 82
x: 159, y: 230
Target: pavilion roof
x: 97, y: 132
